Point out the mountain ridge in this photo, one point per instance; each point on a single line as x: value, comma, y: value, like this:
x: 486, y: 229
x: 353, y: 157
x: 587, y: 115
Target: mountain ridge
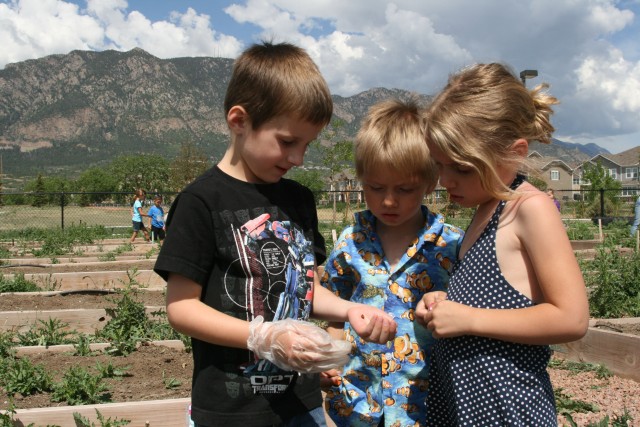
x: 71, y: 111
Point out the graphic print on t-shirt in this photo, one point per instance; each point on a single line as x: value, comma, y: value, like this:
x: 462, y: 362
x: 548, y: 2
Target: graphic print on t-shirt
x: 277, y: 262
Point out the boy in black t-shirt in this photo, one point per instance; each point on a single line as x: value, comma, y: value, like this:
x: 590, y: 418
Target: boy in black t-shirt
x: 241, y: 254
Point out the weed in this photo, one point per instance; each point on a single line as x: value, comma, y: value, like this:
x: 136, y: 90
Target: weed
x: 600, y: 371
x: 50, y: 332
x: 79, y: 387
x: 566, y: 406
x: 615, y: 283
x: 85, y: 422
x: 6, y: 344
x: 55, y: 261
x: 109, y: 256
x: 170, y: 383
x: 22, y: 376
x: 82, y: 346
x: 17, y: 284
x: 110, y: 371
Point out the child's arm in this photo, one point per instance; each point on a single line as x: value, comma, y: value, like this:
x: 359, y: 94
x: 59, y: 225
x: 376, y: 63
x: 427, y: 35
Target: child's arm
x: 290, y: 344
x: 563, y: 313
x: 188, y: 315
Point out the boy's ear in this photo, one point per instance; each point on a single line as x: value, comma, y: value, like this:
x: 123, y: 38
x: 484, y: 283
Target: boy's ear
x: 520, y: 147
x: 238, y: 119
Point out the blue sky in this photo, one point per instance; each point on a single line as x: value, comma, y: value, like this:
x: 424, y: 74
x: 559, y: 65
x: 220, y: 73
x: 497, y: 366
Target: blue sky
x: 587, y: 50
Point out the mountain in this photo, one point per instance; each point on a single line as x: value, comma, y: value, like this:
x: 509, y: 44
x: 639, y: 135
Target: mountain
x: 69, y: 112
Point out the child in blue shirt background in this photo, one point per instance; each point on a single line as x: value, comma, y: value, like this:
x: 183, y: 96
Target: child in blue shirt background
x: 396, y: 251
x: 156, y: 220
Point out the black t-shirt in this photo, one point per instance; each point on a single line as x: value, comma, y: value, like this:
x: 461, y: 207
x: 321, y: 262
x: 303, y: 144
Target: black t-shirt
x: 253, y: 248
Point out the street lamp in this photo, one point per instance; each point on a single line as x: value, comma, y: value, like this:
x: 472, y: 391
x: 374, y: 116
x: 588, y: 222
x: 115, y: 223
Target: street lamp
x: 527, y: 74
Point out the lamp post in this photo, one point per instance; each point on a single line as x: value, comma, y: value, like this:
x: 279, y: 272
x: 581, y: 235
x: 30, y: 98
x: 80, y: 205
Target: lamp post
x: 527, y: 74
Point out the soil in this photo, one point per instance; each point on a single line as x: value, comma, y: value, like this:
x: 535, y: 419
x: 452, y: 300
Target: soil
x: 150, y: 368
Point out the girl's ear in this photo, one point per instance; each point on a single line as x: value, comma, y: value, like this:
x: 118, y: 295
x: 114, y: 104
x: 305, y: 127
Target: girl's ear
x: 520, y: 147
x: 238, y: 119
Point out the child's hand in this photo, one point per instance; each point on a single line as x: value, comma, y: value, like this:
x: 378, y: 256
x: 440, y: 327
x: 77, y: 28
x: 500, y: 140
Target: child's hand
x: 427, y: 304
x: 330, y: 378
x: 296, y: 345
x: 372, y: 324
x: 448, y: 319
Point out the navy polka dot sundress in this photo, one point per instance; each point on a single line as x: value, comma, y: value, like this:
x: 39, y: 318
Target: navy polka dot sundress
x: 477, y: 381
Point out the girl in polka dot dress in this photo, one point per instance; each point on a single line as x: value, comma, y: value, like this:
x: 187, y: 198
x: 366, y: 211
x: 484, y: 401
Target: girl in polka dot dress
x: 516, y: 287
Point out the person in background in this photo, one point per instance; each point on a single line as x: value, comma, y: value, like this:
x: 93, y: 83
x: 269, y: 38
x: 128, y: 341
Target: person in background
x: 241, y: 253
x: 156, y: 220
x: 636, y: 221
x: 137, y: 215
x: 395, y: 252
x: 516, y: 287
x: 552, y: 196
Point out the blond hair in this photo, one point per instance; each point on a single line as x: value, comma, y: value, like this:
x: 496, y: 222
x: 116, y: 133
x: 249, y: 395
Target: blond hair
x: 481, y: 112
x: 270, y: 80
x: 392, y: 136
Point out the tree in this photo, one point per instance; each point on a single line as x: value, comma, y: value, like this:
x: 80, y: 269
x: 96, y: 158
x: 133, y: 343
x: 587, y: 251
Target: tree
x: 99, y: 182
x: 149, y: 172
x: 38, y: 199
x: 600, y: 182
x: 337, y: 156
x: 310, y: 178
x: 190, y: 163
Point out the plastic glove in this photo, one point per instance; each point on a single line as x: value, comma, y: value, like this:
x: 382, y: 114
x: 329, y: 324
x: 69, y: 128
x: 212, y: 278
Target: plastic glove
x: 296, y: 345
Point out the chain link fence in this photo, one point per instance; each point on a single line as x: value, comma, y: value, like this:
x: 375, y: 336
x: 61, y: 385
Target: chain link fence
x: 19, y: 211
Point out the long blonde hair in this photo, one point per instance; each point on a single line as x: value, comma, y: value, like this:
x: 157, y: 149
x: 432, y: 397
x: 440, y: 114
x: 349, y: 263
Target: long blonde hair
x: 481, y: 112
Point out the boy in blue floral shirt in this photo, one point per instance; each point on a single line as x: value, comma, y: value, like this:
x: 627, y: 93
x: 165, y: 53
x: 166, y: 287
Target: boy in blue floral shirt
x: 396, y: 251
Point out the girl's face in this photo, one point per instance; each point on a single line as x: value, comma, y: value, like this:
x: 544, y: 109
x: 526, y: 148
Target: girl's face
x: 394, y: 199
x: 461, y: 182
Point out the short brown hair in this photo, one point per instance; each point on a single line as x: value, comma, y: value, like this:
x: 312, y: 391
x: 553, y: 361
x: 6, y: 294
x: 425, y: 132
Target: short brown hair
x: 269, y: 80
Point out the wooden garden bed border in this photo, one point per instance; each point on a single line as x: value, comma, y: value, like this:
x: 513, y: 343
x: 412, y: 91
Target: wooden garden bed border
x: 619, y: 352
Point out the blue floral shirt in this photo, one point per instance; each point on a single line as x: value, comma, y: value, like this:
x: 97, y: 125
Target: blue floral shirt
x: 388, y: 379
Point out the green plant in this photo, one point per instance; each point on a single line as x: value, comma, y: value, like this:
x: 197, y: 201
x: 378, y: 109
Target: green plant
x: 85, y: 422
x: 79, y: 387
x: 110, y: 371
x: 566, y: 406
x: 50, y: 332
x: 170, y: 383
x: 600, y: 371
x: 17, y: 284
x: 6, y: 344
x: 615, y: 283
x: 82, y: 346
x: 20, y: 375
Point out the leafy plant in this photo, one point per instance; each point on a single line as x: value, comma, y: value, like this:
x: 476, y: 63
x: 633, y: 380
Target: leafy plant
x: 566, y: 405
x: 601, y: 371
x: 17, y: 284
x: 82, y: 346
x: 615, y: 283
x: 110, y: 371
x: 85, y: 422
x: 20, y: 375
x: 170, y: 383
x: 79, y: 387
x: 48, y: 332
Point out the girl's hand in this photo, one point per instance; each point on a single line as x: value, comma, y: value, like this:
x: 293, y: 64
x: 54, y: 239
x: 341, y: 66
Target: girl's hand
x: 449, y: 319
x: 426, y: 304
x: 372, y: 324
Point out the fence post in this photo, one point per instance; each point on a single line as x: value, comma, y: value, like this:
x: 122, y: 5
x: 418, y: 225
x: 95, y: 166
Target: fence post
x: 62, y: 210
x: 602, y: 203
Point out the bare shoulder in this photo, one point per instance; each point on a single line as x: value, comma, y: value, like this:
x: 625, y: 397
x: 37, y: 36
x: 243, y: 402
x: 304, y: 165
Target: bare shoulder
x: 532, y: 208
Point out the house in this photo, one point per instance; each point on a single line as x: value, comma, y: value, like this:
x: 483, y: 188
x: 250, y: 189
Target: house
x: 623, y: 167
x: 556, y: 173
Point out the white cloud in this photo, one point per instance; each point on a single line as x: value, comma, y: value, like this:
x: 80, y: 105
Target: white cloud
x: 587, y: 50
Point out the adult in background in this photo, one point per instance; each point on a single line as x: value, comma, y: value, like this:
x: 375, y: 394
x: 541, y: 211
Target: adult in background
x: 636, y: 221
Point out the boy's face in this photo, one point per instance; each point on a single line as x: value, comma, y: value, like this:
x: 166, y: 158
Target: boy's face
x: 267, y: 153
x: 157, y: 202
x: 393, y: 198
